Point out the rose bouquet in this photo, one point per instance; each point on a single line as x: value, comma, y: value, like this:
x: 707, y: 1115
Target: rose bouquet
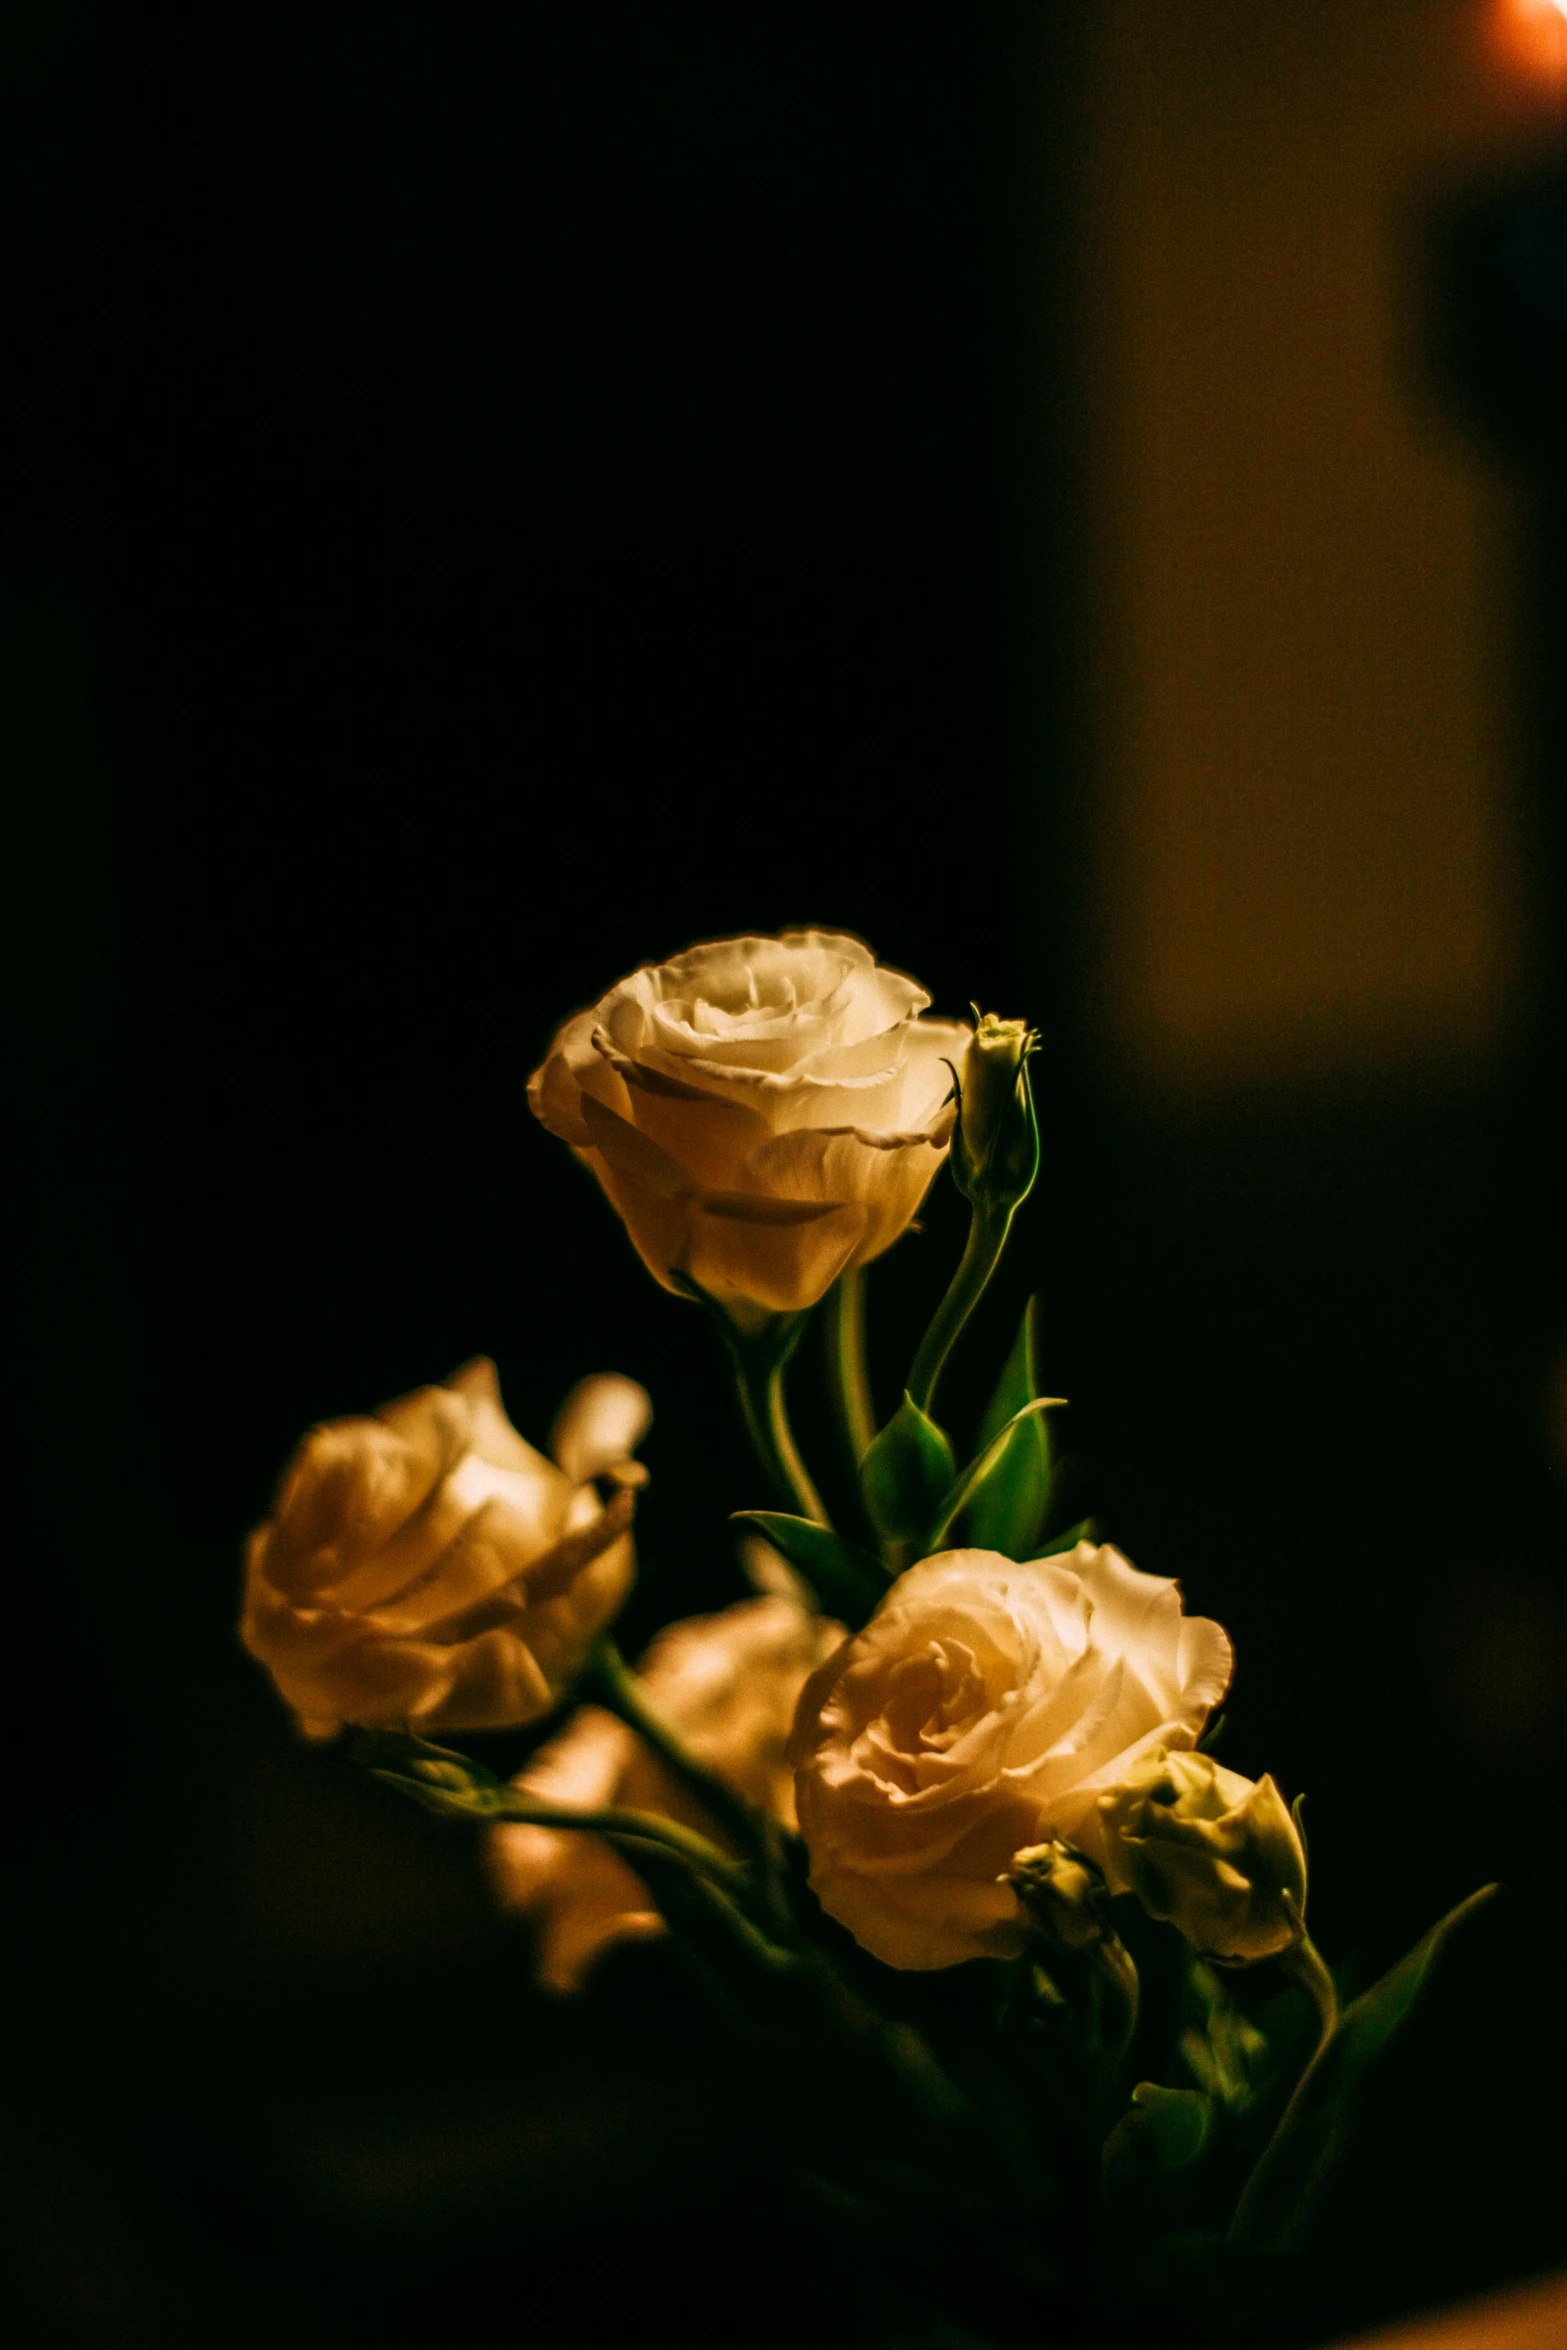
x: 935, y: 1807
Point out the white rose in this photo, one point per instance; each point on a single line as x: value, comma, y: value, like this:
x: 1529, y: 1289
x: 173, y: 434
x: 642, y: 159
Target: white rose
x: 729, y: 1684
x: 426, y: 1566
x: 984, y: 1708
x: 762, y: 1112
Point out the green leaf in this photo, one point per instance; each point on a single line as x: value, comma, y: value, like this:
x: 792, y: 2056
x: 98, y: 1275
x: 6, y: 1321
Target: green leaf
x: 1165, y: 2131
x: 1278, y: 2202
x: 906, y: 1475
x: 1370, y: 2022
x: 847, y: 1580
x: 979, y: 1471
x: 1009, y: 1506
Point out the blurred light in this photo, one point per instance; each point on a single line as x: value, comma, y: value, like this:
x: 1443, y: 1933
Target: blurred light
x: 1533, y: 34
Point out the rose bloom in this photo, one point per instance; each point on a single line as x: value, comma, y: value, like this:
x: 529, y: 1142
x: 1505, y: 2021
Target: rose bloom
x: 984, y: 1708
x: 425, y: 1566
x: 729, y: 1684
x: 763, y: 1112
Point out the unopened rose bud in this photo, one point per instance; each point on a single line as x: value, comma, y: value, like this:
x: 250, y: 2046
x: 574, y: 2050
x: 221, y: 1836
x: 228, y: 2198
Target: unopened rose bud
x: 1217, y: 1855
x: 996, y: 1147
x: 1062, y: 1895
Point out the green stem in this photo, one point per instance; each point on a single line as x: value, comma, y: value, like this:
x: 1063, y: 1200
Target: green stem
x: 1305, y: 1962
x: 610, y: 1679
x: 987, y: 1237
x: 848, y: 1373
x: 790, y: 1469
x: 620, y: 1825
x: 759, y: 1359
x: 715, y: 1907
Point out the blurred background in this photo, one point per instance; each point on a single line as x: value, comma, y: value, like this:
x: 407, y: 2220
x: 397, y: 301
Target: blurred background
x: 1074, y: 495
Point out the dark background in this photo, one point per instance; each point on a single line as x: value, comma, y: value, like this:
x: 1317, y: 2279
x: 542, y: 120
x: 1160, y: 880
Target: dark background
x: 500, y: 500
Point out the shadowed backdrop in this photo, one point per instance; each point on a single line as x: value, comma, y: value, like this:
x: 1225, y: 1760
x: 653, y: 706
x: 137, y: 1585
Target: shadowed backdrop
x: 504, y: 499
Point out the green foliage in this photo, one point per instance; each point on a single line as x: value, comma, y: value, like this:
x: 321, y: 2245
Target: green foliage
x: 846, y: 1580
x: 1164, y: 2130
x: 1007, y: 1507
x: 1281, y: 2196
x: 907, y: 1474
x: 437, y: 1778
x: 1222, y: 2049
x: 979, y: 1471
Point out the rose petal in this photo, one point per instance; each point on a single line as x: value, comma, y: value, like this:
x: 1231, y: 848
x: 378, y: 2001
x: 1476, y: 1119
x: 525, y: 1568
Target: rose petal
x: 886, y: 1175
x: 1205, y: 1662
x: 780, y: 1256
x: 555, y: 1088
x: 705, y: 1134
x: 600, y: 1424
x: 492, y: 1682
x: 985, y: 1706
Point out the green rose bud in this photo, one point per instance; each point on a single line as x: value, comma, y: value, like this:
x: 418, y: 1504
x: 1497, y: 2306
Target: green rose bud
x: 995, y: 1150
x: 1062, y: 1894
x: 1217, y: 1855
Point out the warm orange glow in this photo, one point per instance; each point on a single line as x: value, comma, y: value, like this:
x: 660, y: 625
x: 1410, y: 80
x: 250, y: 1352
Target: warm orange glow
x: 1533, y: 35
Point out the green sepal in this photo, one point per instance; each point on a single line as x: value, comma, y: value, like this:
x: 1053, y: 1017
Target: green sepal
x: 982, y: 1468
x: 1164, y: 2131
x: 1009, y: 1507
x: 907, y: 1473
x: 452, y: 1785
x: 846, y: 1579
x: 1279, y: 2202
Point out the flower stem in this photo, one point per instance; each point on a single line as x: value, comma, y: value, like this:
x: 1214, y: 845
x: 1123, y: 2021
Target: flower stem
x: 1305, y: 1962
x: 759, y: 1359
x: 611, y: 1681
x: 848, y: 1373
x: 987, y: 1237
x: 784, y: 1452
x: 760, y: 1362
x: 621, y: 1826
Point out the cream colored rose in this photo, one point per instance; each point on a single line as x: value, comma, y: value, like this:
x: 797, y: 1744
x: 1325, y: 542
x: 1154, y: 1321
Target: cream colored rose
x: 985, y: 1708
x: 426, y: 1566
x: 729, y: 1684
x: 1217, y: 1855
x: 763, y: 1112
